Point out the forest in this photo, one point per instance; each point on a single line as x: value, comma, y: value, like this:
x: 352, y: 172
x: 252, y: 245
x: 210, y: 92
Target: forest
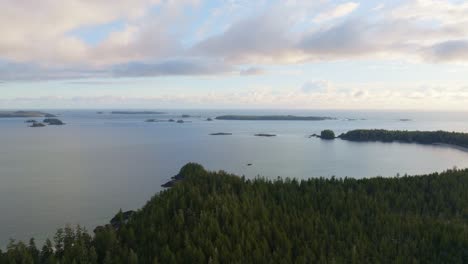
x: 421, y: 137
x: 216, y: 217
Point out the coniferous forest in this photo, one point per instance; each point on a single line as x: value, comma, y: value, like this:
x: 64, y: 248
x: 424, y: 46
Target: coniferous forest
x: 215, y: 217
x: 421, y: 137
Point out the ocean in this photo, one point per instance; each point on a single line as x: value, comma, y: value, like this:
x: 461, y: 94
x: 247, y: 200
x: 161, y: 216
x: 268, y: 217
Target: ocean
x: 85, y: 171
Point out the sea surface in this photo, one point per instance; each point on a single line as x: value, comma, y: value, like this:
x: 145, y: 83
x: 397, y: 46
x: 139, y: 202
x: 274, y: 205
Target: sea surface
x: 84, y: 172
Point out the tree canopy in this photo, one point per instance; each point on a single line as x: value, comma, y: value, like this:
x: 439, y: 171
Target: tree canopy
x: 421, y: 137
x: 216, y: 217
x: 327, y: 134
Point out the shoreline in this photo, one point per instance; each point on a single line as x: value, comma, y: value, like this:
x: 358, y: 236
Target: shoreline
x: 464, y: 149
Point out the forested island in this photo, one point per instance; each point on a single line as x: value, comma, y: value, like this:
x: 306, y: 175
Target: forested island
x: 17, y: 114
x: 273, y: 118
x: 216, y: 217
x: 136, y: 113
x: 422, y: 137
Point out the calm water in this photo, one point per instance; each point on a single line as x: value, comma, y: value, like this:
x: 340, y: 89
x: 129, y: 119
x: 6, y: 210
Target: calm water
x: 86, y: 171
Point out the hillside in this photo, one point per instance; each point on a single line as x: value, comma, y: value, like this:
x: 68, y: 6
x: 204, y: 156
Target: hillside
x: 215, y: 217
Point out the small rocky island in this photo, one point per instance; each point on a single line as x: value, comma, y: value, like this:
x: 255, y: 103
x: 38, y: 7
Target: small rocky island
x: 327, y: 134
x: 273, y: 118
x: 265, y: 135
x: 37, y: 124
x: 221, y: 134
x: 53, y: 122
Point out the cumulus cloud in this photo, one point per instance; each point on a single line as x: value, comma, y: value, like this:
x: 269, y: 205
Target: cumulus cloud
x: 336, y: 12
x: 254, y: 39
x: 172, y: 67
x: 452, y: 50
x: 157, y: 37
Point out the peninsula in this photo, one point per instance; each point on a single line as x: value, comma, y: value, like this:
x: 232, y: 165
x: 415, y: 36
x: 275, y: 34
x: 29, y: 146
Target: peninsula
x: 273, y: 118
x: 204, y: 217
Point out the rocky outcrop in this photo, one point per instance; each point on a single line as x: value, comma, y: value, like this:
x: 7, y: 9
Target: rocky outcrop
x: 265, y: 135
x: 53, y: 122
x: 37, y: 124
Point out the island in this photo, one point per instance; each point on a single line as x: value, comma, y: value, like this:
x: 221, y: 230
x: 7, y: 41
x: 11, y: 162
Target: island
x: 327, y: 134
x: 37, y: 124
x: 53, y: 122
x: 150, y: 120
x: 221, y: 134
x: 265, y: 135
x: 30, y: 121
x: 209, y: 119
x: 136, y: 113
x: 273, y: 118
x: 186, y: 116
x: 458, y: 139
x: 19, y: 114
x: 171, y: 120
x: 180, y: 121
x: 217, y: 217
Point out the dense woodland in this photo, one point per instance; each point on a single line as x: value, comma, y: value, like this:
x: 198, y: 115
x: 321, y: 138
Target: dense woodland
x: 215, y: 217
x: 327, y: 134
x: 422, y: 137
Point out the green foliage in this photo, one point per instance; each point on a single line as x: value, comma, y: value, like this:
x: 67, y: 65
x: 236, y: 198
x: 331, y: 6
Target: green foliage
x: 214, y: 217
x: 327, y: 134
x: 421, y: 137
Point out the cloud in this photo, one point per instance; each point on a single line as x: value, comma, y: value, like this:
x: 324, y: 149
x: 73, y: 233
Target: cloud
x: 172, y: 67
x: 316, y: 87
x: 453, y: 50
x: 359, y: 94
x: 255, y: 39
x: 345, y: 39
x: 160, y: 37
x: 11, y: 71
x: 336, y: 12
x: 252, y: 71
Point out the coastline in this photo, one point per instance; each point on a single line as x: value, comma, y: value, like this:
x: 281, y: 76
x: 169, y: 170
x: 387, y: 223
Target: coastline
x: 464, y: 149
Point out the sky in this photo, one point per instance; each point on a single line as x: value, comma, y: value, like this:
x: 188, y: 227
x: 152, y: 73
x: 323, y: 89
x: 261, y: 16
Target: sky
x: 291, y: 54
